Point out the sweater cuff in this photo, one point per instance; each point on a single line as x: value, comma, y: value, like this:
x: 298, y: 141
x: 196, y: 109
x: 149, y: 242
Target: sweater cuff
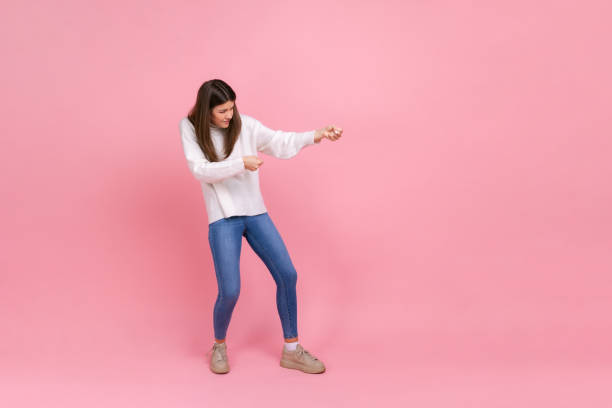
x: 309, y: 137
x: 239, y: 164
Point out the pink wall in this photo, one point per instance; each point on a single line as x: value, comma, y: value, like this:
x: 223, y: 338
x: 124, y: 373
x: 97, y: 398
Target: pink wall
x: 462, y: 221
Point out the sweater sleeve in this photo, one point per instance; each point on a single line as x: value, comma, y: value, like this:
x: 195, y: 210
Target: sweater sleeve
x: 280, y: 144
x: 200, y: 167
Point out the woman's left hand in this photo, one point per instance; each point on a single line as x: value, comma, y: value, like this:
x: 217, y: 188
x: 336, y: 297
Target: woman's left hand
x: 331, y: 132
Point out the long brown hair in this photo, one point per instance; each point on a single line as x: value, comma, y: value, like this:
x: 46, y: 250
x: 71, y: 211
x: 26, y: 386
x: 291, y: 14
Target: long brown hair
x: 212, y: 93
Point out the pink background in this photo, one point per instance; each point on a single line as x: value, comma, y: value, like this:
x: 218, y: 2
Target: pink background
x: 453, y: 248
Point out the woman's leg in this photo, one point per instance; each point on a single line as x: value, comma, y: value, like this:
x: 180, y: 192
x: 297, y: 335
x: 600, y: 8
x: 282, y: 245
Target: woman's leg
x: 264, y: 238
x: 225, y: 239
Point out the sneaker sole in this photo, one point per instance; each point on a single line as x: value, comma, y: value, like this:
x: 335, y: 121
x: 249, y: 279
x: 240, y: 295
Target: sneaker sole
x: 219, y: 371
x: 296, y: 366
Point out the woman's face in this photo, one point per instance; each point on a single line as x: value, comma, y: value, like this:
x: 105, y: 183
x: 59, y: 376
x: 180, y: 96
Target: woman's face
x: 222, y: 114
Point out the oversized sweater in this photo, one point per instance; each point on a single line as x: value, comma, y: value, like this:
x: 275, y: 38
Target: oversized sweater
x: 228, y: 187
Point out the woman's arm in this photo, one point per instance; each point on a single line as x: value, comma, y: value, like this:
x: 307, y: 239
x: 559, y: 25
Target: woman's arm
x: 280, y: 144
x: 200, y: 167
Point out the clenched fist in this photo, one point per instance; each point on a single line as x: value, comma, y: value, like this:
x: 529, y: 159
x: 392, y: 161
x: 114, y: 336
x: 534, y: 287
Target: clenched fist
x: 252, y: 162
x: 331, y: 132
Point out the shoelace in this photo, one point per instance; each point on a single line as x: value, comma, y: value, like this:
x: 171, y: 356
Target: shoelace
x: 221, y: 352
x: 302, y: 352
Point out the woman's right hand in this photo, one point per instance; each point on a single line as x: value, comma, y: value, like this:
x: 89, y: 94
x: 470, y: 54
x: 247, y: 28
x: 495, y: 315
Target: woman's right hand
x: 252, y: 162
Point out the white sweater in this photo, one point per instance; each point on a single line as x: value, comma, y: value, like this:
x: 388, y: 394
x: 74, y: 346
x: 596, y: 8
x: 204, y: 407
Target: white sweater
x: 229, y: 188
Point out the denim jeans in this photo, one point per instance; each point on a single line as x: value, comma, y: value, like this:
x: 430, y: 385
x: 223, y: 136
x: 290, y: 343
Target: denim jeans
x: 225, y: 238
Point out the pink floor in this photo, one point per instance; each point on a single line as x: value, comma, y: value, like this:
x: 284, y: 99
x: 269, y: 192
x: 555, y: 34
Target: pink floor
x: 402, y: 373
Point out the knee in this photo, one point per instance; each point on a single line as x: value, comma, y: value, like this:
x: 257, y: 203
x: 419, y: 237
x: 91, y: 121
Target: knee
x: 290, y: 276
x: 230, y: 294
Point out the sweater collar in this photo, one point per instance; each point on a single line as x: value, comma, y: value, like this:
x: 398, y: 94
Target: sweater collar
x: 215, y: 129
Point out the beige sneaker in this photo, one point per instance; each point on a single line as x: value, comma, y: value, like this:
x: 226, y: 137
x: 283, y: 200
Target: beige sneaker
x: 301, y: 359
x: 218, y: 361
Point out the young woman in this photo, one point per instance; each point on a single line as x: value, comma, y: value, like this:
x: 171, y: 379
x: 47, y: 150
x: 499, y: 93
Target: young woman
x: 221, y: 147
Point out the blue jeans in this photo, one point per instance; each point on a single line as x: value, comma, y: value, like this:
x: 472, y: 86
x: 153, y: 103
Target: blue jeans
x: 225, y: 238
